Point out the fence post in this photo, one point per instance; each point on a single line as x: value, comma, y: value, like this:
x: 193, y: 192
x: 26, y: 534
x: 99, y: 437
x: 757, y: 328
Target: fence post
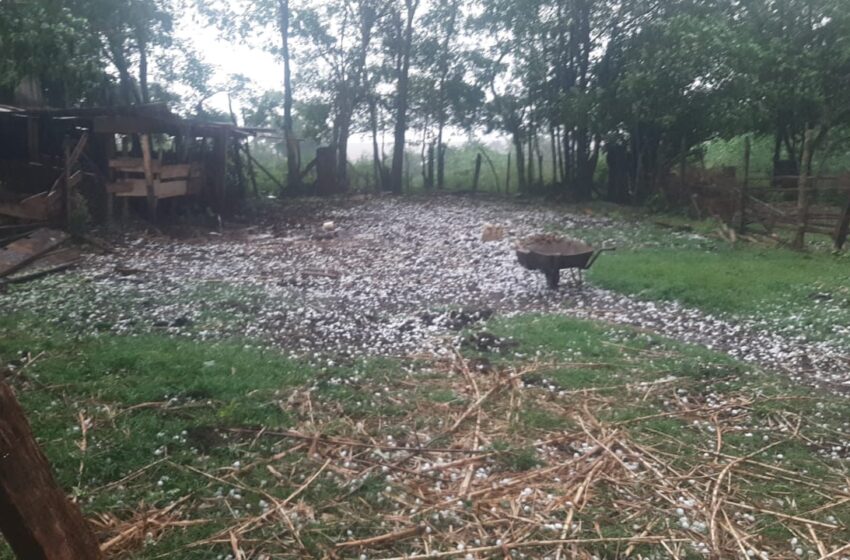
x: 477, y: 173
x: 843, y: 226
x: 802, y: 191
x: 742, y: 203
x: 508, y: 175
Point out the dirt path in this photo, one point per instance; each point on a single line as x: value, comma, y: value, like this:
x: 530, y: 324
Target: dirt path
x: 400, y: 276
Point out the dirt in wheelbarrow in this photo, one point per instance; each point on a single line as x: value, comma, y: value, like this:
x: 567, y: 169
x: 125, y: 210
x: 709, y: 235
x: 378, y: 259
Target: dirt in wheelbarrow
x: 389, y: 277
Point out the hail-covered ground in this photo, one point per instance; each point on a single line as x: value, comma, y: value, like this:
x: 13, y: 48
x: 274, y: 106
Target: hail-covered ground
x: 394, y: 277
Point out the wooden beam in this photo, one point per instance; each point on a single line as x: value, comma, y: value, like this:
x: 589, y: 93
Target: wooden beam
x: 36, y: 518
x: 131, y: 125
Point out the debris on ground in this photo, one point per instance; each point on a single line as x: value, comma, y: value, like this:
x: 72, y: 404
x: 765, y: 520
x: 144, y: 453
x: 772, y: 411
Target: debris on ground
x: 28, y: 248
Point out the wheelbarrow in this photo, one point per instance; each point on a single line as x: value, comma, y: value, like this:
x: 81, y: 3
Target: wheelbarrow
x: 550, y: 254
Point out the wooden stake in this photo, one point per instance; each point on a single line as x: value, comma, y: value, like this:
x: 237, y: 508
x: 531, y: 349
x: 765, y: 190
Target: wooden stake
x: 742, y: 203
x: 36, y: 518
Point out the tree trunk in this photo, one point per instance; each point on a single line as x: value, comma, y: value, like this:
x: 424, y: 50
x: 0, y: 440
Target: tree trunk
x: 553, y: 143
x: 403, y: 84
x: 377, y: 161
x: 441, y: 158
x: 477, y: 173
x: 343, y: 133
x: 36, y: 518
x: 520, y: 162
x: 293, y: 163
x: 143, y: 66
x: 429, y: 168
x: 125, y: 80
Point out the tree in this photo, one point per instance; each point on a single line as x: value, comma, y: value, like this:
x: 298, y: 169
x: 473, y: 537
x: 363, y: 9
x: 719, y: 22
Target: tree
x: 403, y: 41
x: 293, y: 159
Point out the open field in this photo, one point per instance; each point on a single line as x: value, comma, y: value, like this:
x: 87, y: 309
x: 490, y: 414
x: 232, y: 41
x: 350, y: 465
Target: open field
x: 273, y: 392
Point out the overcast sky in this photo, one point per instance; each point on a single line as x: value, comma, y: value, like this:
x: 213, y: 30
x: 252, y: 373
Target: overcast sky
x: 266, y: 72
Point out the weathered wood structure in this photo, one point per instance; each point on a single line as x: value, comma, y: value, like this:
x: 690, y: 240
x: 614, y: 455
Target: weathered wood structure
x: 141, y: 151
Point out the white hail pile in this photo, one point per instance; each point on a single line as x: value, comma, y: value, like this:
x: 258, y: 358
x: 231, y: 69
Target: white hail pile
x: 398, y: 276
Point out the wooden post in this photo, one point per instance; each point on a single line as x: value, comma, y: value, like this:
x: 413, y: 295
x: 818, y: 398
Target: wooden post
x: 742, y: 203
x: 843, y: 227
x: 802, y: 191
x: 508, y: 175
x: 477, y: 174
x: 66, y: 181
x: 36, y: 518
x: 219, y: 180
x: 149, y: 177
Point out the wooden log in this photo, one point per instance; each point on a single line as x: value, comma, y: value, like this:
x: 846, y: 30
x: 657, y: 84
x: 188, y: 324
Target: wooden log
x: 36, y: 518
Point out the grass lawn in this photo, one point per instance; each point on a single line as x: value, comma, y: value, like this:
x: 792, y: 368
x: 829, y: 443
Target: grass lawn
x: 799, y: 293
x: 576, y: 437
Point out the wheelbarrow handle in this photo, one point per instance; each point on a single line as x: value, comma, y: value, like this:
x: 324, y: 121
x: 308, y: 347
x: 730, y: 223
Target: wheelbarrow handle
x: 596, y: 254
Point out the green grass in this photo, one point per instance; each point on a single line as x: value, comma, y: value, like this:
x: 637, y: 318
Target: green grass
x: 740, y: 280
x: 165, y: 409
x: 798, y: 293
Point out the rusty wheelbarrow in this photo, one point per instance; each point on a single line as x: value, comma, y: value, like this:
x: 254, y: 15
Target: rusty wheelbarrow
x: 550, y: 253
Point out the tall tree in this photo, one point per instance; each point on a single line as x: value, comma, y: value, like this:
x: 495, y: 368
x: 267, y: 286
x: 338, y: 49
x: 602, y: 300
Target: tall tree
x: 293, y: 156
x: 404, y: 41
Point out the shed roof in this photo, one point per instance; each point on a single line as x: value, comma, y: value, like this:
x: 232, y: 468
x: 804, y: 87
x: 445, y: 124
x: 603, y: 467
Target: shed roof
x: 135, y: 119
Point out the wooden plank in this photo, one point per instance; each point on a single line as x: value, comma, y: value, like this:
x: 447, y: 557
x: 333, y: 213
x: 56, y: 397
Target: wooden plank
x: 23, y: 251
x: 172, y: 189
x: 131, y: 164
x: 137, y: 188
x: 36, y: 210
x: 128, y: 187
x: 129, y: 125
x: 54, y: 261
x: 36, y: 518
x: 175, y: 171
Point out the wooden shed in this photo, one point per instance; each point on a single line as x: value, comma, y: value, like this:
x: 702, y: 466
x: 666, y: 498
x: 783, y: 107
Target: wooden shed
x: 118, y: 153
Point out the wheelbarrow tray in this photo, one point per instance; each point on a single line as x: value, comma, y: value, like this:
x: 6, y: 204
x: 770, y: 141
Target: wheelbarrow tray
x: 557, y: 255
x: 551, y: 254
